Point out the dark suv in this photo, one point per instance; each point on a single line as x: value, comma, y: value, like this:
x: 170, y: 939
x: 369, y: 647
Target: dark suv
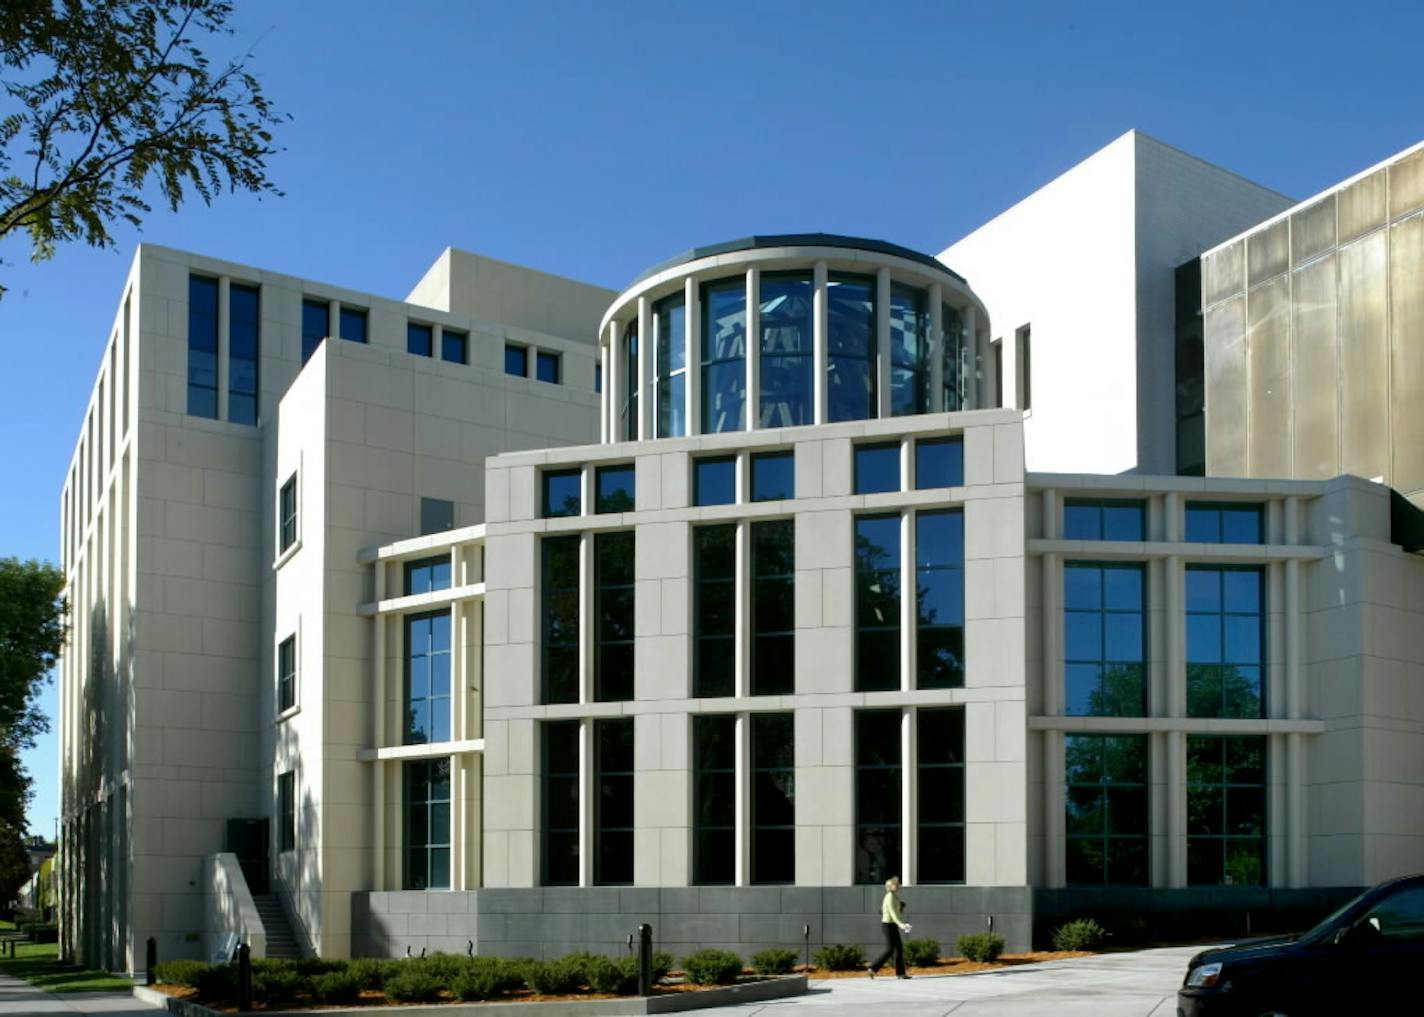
x: 1371, y: 950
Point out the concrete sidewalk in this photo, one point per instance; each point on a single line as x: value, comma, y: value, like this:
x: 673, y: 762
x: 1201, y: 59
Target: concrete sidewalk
x: 19, y: 998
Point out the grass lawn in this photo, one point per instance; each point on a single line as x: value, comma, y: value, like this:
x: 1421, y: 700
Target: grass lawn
x: 39, y: 964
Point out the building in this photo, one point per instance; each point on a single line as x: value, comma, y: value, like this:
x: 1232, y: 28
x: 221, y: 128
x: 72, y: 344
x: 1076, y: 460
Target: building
x: 521, y: 612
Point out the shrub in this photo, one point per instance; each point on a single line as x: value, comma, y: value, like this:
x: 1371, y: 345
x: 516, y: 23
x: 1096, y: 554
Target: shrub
x: 182, y: 972
x: 40, y: 932
x: 776, y: 961
x: 662, y: 964
x: 712, y: 967
x: 556, y: 977
x: 313, y: 966
x: 618, y: 977
x: 446, y: 968
x: 336, y: 987
x: 372, y: 972
x: 981, y: 946
x: 481, y: 981
x: 218, y: 982
x: 1084, y: 934
x: 412, y: 984
x: 840, y: 957
x: 272, y: 983
x: 922, y: 953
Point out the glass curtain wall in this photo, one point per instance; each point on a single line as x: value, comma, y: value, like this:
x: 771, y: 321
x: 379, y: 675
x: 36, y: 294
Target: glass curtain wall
x: 724, y: 355
x: 787, y: 342
x: 851, y: 351
x: 909, y: 351
x: 955, y: 351
x: 670, y: 366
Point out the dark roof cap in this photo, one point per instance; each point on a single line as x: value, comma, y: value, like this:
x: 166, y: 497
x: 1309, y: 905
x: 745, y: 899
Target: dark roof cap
x: 797, y: 240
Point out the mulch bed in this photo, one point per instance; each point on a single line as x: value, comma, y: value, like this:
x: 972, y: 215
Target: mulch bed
x: 956, y: 965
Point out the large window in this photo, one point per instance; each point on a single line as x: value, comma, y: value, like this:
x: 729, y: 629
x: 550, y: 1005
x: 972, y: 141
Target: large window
x: 427, y: 825
x: 563, y: 492
x: 202, y: 347
x: 877, y: 468
x: 559, y: 802
x: 773, y: 815
x: 773, y: 476
x: 427, y: 574
x: 939, y: 599
x: 714, y: 480
x: 714, y: 571
x: 1104, y: 519
x: 1226, y: 654
x: 877, y: 795
x: 242, y: 350
x: 851, y: 365
x: 670, y: 366
x: 773, y: 656
x: 1104, y: 639
x: 616, y: 489
x: 787, y: 349
x: 287, y: 811
x: 940, y: 739
x: 316, y: 322
x: 427, y: 678
x: 1224, y: 523
x: 1226, y: 810
x: 559, y: 610
x: 287, y: 514
x: 724, y: 351
x: 1106, y: 826
x: 877, y: 603
x: 909, y: 351
x: 939, y: 462
x: 352, y: 324
x: 956, y: 369
x: 613, y: 801
x: 287, y: 674
x: 714, y: 802
x: 613, y: 607
x: 631, y: 382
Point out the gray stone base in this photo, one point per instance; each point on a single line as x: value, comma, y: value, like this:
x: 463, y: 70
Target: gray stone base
x: 553, y: 921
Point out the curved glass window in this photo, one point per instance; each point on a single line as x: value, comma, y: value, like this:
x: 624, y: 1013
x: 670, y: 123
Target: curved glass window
x: 787, y: 349
x: 953, y: 350
x: 850, y: 338
x: 909, y: 351
x: 724, y: 355
x: 630, y: 382
x: 670, y: 370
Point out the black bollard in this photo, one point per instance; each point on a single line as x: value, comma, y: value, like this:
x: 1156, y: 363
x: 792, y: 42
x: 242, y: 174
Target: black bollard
x: 645, y: 959
x: 244, y: 978
x: 806, y: 937
x: 150, y: 976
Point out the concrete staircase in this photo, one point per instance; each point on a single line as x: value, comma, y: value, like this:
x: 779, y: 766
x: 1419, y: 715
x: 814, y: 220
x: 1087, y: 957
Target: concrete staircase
x: 281, y: 941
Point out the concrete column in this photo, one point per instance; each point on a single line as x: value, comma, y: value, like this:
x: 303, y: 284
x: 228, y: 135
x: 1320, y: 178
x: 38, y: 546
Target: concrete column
x: 224, y: 341
x: 1159, y: 809
x: 459, y: 787
x: 1052, y: 598
x: 882, y: 343
x: 586, y: 618
x: 586, y: 793
x: 1052, y: 530
x: 939, y: 344
x: 613, y: 381
x: 1159, y: 661
x: 909, y: 808
x: 692, y: 321
x: 646, y: 417
x: 743, y: 800
x: 821, y: 347
x: 973, y: 384
x: 1053, y: 809
x: 741, y: 587
x: 752, y: 346
x: 1291, y: 521
x: 1276, y: 641
x: 378, y: 670
x: 1172, y: 517
x: 333, y: 319
x: 1299, y: 845
x: 605, y: 428
x: 907, y: 601
x: 397, y: 841
x: 1278, y: 817
x: 1176, y: 795
x: 1294, y: 626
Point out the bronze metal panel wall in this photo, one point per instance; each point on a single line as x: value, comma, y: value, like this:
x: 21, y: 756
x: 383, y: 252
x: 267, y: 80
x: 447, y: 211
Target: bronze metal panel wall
x: 1406, y: 307
x: 1406, y: 185
x: 1267, y: 252
x: 1315, y: 370
x: 1313, y: 230
x: 1225, y: 358
x: 1362, y: 206
x: 1364, y: 358
x: 1223, y: 273
x: 1268, y: 351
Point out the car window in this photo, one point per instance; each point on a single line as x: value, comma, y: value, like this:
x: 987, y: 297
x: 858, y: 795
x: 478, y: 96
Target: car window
x: 1400, y: 915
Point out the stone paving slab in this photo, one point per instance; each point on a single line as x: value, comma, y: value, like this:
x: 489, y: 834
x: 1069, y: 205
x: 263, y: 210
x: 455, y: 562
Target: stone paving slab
x: 21, y: 999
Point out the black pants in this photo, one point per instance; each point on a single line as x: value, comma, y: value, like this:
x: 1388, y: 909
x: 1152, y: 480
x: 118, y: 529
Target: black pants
x: 893, y: 947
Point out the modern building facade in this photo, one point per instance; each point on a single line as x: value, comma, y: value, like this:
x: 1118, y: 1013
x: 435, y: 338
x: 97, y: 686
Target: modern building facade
x: 521, y: 612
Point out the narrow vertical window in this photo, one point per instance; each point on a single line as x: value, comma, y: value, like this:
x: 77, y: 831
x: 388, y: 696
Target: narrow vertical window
x: 851, y: 351
x: 427, y: 678
x: 714, y: 481
x: 724, y: 351
x: 287, y: 514
x: 613, y: 607
x: 714, y: 571
x: 559, y: 593
x: 1226, y: 810
x: 1024, y: 368
x: 939, y: 599
x: 125, y: 402
x: 560, y: 804
x: 773, y: 650
x: 616, y: 488
x: 714, y: 806
x: 956, y: 370
x: 287, y: 674
x: 352, y: 324
x: 547, y: 367
x: 877, y: 468
x: 516, y: 360
x: 419, y: 339
x: 1106, y: 823
x: 427, y: 825
x: 773, y: 476
x: 563, y: 492
x: 316, y: 322
x: 243, y: 347
x: 454, y: 346
x: 670, y: 366
x: 877, y: 795
x: 613, y: 802
x: 1104, y: 639
x: 997, y: 351
x: 940, y: 738
x: 287, y: 811
x: 909, y: 351
x: 631, y: 382
x: 877, y: 603
x: 773, y: 812
x: 787, y: 349
x: 202, y: 347
x: 598, y: 379
x: 939, y: 462
x: 1226, y: 655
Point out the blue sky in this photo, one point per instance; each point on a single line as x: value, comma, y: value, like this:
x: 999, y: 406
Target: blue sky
x: 595, y: 139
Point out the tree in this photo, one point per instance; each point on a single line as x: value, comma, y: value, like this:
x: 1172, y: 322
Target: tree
x: 32, y: 617
x: 104, y: 98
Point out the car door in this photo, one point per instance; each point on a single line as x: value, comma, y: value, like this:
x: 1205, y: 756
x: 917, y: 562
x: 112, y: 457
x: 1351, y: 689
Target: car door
x: 1391, y: 946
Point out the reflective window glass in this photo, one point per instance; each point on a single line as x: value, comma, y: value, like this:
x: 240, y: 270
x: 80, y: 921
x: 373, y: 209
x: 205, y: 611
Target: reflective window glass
x: 955, y: 352
x: 670, y: 366
x: 714, y: 481
x: 516, y: 360
x: 1106, y: 804
x: 851, y: 353
x: 714, y: 577
x: 1226, y: 810
x: 436, y: 515
x: 877, y: 468
x: 1225, y: 523
x: 631, y: 384
x: 877, y: 603
x: 773, y: 798
x: 613, y: 801
x: 353, y: 324
x: 427, y: 678
x: 316, y: 322
x: 877, y: 795
x: 940, y: 743
x: 287, y: 674
x: 202, y: 347
x: 454, y: 346
x: 909, y: 351
x: 773, y: 476
x: 773, y: 607
x: 616, y: 488
x: 714, y: 799
x: 287, y: 514
x: 427, y: 824
x: 563, y: 493
x: 287, y: 811
x: 614, y: 602
x: 939, y: 599
x: 546, y: 367
x: 724, y: 345
x: 559, y: 615
x: 419, y: 339
x: 1104, y: 519
x: 1104, y: 639
x: 242, y: 351
x: 559, y: 803
x: 427, y: 574
x: 786, y: 346
x: 1225, y: 641
x: 939, y: 462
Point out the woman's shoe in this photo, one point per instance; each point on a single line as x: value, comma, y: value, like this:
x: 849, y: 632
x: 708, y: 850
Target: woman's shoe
x: 870, y: 971
x: 904, y: 976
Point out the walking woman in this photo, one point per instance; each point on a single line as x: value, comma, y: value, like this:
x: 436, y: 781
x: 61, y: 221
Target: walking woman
x: 892, y: 923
